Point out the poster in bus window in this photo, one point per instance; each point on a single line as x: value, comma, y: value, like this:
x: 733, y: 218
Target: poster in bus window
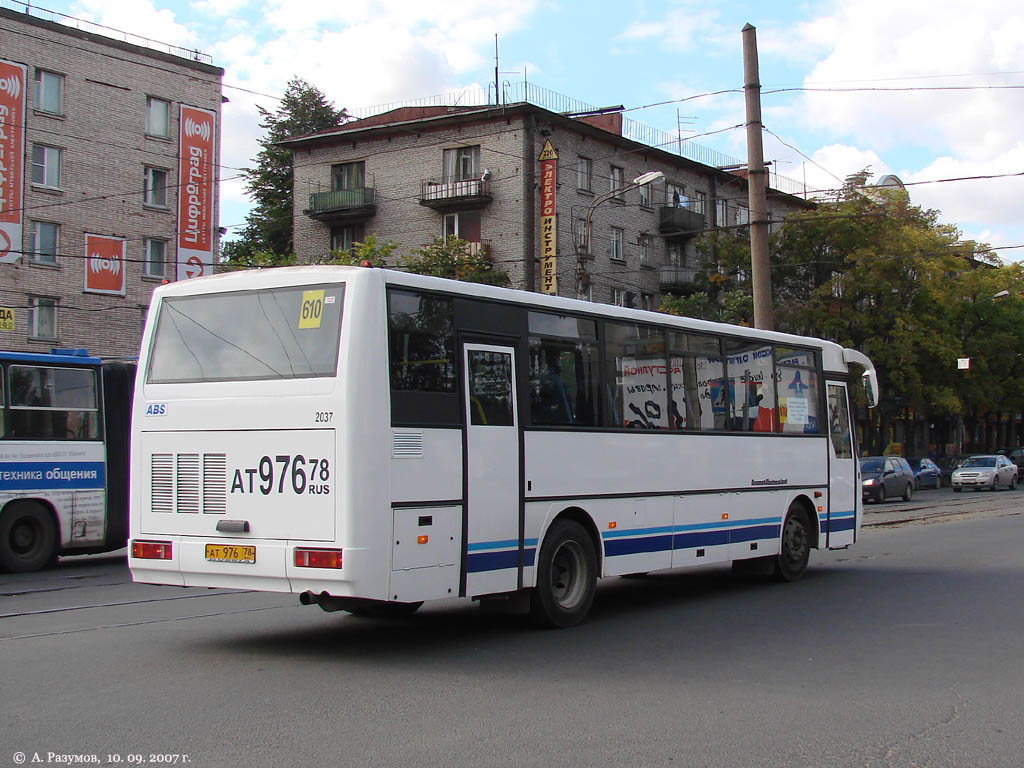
x: 12, y: 158
x: 104, y: 264
x: 798, y: 398
x: 644, y: 388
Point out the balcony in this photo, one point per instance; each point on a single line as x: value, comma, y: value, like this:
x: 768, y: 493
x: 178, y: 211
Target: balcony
x: 680, y: 220
x: 342, y: 205
x: 676, y: 279
x: 447, y: 195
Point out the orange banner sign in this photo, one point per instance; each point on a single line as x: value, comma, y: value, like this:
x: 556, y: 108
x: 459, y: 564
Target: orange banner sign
x: 197, y: 159
x: 104, y: 264
x: 12, y: 158
x: 548, y: 228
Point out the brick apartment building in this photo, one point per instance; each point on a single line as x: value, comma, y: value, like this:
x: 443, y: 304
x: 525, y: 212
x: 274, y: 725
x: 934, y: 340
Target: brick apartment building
x: 92, y: 178
x: 415, y: 173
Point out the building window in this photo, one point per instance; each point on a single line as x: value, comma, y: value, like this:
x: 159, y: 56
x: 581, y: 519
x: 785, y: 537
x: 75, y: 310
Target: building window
x: 618, y: 297
x: 645, y: 194
x: 675, y: 195
x: 700, y: 199
x: 585, y: 174
x: 347, y: 176
x: 721, y: 213
x: 742, y: 214
x: 464, y: 225
x: 154, y: 190
x: 616, y: 180
x: 644, y: 243
x: 46, y: 165
x: 154, y: 257
x: 343, y: 239
x: 42, y: 318
x: 675, y: 253
x: 49, y: 92
x: 158, y: 117
x: 618, y: 251
x: 647, y: 301
x: 581, y: 234
x: 461, y: 164
x: 42, y: 243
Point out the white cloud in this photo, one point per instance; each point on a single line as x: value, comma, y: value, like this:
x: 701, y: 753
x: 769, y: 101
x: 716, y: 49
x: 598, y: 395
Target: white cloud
x: 138, y: 17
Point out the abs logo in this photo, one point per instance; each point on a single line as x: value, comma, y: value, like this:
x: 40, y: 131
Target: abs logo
x: 201, y: 129
x: 156, y: 409
x: 11, y: 86
x: 99, y: 264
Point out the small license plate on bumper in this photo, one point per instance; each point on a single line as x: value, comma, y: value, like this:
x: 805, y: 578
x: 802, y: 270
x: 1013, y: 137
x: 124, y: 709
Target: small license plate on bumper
x: 230, y: 553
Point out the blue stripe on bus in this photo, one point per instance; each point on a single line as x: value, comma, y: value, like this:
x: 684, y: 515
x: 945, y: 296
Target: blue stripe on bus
x: 476, y: 546
x: 496, y: 561
x: 841, y: 521
x: 51, y: 475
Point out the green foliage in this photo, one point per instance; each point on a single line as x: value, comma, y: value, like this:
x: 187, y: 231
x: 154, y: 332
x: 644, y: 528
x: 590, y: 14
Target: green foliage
x: 451, y: 258
x: 370, y: 251
x: 304, y: 109
x: 874, y: 272
x: 243, y: 259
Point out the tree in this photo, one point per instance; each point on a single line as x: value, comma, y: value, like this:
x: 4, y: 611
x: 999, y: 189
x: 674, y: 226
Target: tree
x: 268, y: 227
x: 369, y: 252
x: 872, y: 271
x: 452, y: 258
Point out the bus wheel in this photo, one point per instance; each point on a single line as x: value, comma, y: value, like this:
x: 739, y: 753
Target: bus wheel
x: 566, y: 576
x: 796, y: 546
x: 28, y: 537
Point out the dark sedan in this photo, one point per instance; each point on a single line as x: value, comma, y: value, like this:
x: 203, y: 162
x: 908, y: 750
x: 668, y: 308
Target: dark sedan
x: 885, y: 476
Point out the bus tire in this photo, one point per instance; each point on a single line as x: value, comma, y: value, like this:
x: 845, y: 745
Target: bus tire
x: 795, y: 550
x: 28, y: 537
x: 566, y: 576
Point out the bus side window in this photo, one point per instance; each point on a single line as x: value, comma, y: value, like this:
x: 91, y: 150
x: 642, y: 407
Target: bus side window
x: 53, y: 403
x: 563, y: 364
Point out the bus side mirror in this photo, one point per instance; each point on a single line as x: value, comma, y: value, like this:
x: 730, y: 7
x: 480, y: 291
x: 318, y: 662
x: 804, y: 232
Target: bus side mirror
x: 870, y: 388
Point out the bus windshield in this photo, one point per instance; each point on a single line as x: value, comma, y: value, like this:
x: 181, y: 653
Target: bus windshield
x: 284, y: 333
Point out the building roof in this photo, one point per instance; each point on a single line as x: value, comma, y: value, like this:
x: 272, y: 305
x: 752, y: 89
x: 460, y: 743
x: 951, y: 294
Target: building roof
x: 186, y: 59
x: 603, y: 126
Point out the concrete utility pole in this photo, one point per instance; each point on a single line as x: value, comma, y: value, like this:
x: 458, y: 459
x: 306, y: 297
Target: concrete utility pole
x: 760, y: 273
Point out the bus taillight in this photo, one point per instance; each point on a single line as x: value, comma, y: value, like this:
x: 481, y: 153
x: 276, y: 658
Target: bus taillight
x: 318, y: 558
x: 151, y: 550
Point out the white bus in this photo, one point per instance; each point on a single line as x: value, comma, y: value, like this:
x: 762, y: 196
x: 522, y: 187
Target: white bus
x: 64, y: 422
x: 370, y: 440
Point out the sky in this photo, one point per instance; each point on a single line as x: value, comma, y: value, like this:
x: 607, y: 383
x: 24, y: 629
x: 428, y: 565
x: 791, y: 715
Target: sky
x: 929, y: 90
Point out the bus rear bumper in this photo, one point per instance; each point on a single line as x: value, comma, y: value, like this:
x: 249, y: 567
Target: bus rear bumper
x: 271, y: 568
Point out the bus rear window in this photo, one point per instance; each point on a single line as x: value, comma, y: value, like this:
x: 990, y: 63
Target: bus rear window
x: 281, y: 333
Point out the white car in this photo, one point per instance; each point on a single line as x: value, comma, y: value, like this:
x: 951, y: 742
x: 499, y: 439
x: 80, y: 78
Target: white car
x: 985, y: 472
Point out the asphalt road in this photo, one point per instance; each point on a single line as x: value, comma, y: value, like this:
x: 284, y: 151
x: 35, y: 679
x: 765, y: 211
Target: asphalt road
x: 905, y: 650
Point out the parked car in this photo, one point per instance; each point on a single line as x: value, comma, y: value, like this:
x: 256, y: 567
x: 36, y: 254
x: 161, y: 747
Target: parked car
x: 885, y: 476
x: 985, y: 472
x: 946, y: 466
x: 1016, y: 455
x: 926, y: 473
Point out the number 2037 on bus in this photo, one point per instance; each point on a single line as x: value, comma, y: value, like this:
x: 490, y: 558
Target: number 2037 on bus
x: 284, y: 474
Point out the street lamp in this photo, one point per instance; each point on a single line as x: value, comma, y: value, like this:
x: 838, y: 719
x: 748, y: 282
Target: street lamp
x: 640, y: 181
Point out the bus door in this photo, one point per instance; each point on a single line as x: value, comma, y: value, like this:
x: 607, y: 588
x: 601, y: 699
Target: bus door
x: 492, y: 535
x: 844, y: 486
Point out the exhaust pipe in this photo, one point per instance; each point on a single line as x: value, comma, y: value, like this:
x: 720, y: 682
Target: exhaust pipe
x: 326, y: 601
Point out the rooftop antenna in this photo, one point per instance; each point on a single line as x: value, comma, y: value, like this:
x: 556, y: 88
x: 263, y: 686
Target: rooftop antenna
x: 497, y: 84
